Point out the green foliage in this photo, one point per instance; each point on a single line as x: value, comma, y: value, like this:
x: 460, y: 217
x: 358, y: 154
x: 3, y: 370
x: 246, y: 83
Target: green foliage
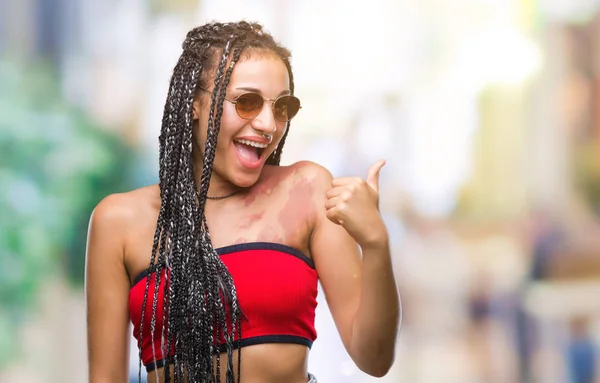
x: 55, y: 165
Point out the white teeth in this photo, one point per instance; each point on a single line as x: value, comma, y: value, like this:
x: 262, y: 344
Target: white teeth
x: 252, y: 143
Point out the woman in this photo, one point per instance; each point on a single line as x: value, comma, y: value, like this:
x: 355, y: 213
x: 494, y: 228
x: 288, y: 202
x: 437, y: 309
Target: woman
x: 222, y: 258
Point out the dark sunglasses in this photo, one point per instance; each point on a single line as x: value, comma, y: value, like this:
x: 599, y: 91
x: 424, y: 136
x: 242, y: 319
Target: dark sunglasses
x: 249, y: 105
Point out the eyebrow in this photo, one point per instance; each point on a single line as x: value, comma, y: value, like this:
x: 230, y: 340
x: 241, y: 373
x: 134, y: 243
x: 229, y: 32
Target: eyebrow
x: 250, y: 89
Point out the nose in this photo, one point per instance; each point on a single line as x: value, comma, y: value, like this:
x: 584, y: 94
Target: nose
x: 265, y: 121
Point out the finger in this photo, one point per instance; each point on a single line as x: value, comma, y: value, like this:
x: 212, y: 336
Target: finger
x: 373, y: 174
x: 334, y: 216
x: 333, y: 202
x: 338, y: 191
x: 341, y: 181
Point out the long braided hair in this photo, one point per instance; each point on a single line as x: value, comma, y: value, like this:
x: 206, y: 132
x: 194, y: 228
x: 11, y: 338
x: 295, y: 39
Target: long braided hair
x: 200, y: 306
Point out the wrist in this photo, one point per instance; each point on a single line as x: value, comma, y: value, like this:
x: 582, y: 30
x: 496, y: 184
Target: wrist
x: 379, y: 241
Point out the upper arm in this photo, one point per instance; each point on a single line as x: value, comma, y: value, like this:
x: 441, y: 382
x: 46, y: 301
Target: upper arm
x: 337, y: 259
x: 107, y: 294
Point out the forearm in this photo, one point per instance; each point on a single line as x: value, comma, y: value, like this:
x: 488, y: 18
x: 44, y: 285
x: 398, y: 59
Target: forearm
x: 377, y: 319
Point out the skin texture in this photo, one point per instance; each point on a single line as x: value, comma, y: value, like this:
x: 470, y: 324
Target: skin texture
x: 301, y: 205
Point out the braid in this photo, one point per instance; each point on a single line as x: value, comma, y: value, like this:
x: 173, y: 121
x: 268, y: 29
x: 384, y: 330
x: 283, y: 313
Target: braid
x: 275, y: 157
x: 200, y: 304
x: 169, y: 145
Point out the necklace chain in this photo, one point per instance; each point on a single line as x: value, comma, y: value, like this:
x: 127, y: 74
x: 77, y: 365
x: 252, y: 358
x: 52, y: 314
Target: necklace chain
x: 223, y: 196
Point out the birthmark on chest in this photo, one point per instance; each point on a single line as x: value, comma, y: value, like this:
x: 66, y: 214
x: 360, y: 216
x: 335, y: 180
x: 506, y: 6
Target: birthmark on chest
x: 248, y: 220
x: 240, y: 240
x: 263, y: 188
x: 297, y: 212
x: 271, y: 233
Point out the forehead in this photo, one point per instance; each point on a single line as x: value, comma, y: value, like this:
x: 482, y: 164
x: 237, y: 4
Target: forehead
x: 263, y: 71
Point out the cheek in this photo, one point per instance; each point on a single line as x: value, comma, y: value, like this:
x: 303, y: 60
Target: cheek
x: 229, y: 115
x: 281, y: 132
x: 230, y: 121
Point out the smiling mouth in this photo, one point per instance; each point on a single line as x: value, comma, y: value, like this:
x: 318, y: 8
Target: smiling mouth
x: 249, y: 150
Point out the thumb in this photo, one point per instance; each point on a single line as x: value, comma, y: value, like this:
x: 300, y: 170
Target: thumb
x: 373, y: 174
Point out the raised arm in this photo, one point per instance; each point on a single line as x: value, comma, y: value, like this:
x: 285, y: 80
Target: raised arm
x: 107, y: 290
x: 359, y: 286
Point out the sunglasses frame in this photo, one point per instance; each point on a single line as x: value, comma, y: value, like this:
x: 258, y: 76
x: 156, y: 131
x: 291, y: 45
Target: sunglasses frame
x: 273, y: 102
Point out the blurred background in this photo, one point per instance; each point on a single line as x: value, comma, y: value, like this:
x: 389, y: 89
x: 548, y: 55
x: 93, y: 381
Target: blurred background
x: 487, y: 111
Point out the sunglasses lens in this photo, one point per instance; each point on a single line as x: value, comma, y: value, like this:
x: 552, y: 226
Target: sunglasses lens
x: 286, y: 107
x: 249, y: 105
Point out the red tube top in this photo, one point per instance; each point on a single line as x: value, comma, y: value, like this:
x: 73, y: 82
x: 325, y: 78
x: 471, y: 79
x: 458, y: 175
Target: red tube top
x: 277, y: 291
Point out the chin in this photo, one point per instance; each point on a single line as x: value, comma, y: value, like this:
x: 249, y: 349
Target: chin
x: 245, y: 180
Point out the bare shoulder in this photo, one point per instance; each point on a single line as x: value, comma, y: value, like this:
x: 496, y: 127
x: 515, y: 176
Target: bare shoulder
x: 122, y: 208
x: 313, y: 172
x: 118, y: 213
x: 306, y: 183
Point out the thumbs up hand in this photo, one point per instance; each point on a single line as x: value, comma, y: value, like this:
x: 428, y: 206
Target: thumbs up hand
x: 353, y: 203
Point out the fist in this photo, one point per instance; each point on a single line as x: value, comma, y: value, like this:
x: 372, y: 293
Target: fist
x: 353, y: 203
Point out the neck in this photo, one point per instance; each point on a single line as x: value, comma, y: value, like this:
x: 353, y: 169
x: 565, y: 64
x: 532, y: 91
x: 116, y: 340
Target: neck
x: 217, y: 192
x: 219, y: 188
